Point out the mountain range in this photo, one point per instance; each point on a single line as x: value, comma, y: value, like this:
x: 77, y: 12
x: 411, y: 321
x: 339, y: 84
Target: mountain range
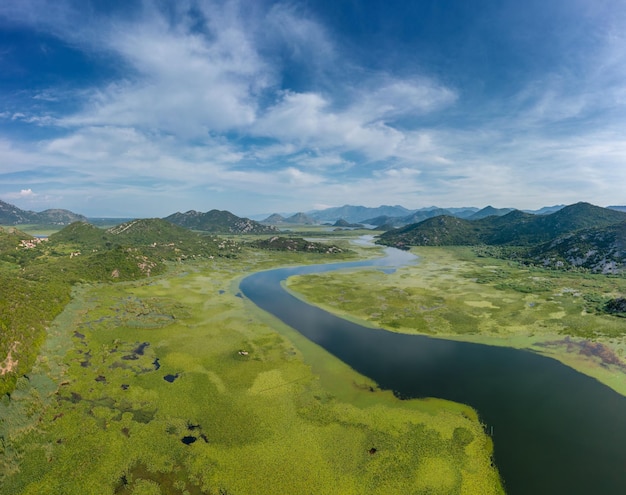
x: 387, y: 217
x: 578, y: 235
x: 383, y: 217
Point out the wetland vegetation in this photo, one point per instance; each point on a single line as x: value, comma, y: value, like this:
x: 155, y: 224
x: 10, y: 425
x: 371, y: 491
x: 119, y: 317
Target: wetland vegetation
x: 250, y: 405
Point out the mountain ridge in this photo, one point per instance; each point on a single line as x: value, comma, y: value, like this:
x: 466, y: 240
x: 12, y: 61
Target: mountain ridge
x: 514, y: 228
x: 578, y: 236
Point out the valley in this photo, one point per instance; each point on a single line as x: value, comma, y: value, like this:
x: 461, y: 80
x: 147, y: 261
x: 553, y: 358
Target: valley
x: 132, y: 363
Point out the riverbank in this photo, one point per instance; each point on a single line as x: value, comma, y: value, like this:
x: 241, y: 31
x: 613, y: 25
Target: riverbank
x: 177, y: 384
x: 452, y: 293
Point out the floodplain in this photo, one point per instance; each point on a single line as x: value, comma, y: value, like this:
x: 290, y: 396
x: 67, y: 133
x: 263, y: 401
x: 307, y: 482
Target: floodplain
x: 177, y: 384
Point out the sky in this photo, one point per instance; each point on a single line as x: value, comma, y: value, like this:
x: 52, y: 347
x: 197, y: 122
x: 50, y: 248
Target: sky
x: 125, y: 108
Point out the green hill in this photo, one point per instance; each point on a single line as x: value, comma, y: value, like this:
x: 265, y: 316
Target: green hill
x: 154, y: 238
x: 489, y: 211
x: 79, y: 235
x: 147, y: 231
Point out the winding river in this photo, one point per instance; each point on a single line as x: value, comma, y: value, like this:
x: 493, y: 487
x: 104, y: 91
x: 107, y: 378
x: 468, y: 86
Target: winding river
x: 556, y: 431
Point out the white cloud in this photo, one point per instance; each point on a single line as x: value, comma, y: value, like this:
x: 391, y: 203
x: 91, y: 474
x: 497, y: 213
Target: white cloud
x: 323, y: 161
x: 23, y: 194
x: 26, y: 193
x: 398, y: 98
x: 186, y: 83
x: 305, y: 40
x: 296, y: 177
x: 308, y: 120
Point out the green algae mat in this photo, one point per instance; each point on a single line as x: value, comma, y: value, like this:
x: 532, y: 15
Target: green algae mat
x: 177, y: 385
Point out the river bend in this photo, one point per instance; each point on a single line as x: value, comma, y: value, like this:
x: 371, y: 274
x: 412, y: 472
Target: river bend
x: 556, y: 431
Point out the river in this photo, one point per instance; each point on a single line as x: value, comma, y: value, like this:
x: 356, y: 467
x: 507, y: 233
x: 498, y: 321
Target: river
x: 556, y: 431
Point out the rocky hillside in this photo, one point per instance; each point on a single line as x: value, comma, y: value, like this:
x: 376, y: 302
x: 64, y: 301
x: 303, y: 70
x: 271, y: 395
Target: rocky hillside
x: 600, y: 250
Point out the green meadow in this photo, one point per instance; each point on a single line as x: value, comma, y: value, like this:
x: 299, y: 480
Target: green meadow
x: 175, y: 384
x: 455, y: 293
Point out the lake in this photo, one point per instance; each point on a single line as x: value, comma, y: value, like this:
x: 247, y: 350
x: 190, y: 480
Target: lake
x: 556, y: 431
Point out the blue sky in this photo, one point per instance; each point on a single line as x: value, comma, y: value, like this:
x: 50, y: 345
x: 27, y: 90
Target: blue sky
x: 144, y: 108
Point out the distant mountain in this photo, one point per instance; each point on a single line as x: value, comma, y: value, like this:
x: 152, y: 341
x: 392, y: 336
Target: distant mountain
x: 386, y: 217
x: 514, y: 228
x: 58, y: 217
x: 357, y: 214
x: 341, y: 223
x: 415, y: 217
x: 295, y: 219
x: 383, y: 220
x: 489, y: 211
x: 12, y: 215
x: 274, y: 219
x: 300, y: 219
x: 219, y: 222
x: 397, y: 216
x: 546, y: 210
x: 464, y: 212
x: 618, y: 208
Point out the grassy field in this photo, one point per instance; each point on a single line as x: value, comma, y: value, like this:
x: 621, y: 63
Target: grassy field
x: 453, y: 293
x: 177, y: 385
